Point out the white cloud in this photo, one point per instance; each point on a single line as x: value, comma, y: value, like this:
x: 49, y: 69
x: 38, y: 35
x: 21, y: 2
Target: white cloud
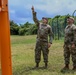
x: 50, y: 7
x: 55, y: 6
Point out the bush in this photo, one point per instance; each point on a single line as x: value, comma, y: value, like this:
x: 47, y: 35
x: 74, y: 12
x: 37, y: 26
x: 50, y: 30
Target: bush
x: 14, y: 30
x: 21, y: 31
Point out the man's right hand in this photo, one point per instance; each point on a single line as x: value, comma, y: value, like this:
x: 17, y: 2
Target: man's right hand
x: 32, y: 8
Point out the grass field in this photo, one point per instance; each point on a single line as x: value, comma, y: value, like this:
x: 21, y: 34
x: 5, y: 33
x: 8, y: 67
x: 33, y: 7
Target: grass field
x: 23, y: 57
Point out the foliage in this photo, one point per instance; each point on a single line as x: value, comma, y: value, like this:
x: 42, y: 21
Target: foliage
x: 58, y: 24
x: 21, y: 31
x: 14, y: 28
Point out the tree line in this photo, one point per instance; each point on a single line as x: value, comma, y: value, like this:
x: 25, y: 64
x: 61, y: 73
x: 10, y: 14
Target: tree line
x: 57, y: 23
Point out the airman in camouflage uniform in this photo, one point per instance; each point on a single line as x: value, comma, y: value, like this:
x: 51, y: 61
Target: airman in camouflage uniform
x: 70, y: 44
x: 42, y: 39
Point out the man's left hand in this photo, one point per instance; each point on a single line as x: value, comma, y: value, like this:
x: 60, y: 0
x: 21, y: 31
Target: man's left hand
x: 73, y: 45
x: 49, y: 45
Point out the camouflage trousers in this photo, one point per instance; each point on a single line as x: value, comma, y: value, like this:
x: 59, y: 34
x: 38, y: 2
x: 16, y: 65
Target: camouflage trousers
x: 41, y: 46
x: 69, y: 51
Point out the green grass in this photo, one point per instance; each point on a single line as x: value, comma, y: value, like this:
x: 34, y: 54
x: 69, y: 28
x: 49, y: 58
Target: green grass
x: 22, y: 48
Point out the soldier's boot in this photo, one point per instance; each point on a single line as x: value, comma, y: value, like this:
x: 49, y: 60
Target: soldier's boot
x: 46, y: 65
x: 74, y: 68
x: 65, y: 68
x: 37, y: 65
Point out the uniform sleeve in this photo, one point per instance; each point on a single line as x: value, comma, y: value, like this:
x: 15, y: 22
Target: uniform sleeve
x: 74, y: 33
x: 50, y: 35
x: 35, y: 18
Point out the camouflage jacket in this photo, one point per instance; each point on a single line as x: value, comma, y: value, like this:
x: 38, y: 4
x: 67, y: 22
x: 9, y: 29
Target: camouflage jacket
x: 43, y: 30
x: 70, y: 34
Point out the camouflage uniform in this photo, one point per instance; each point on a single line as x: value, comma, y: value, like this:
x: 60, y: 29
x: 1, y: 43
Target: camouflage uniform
x: 42, y: 40
x: 70, y: 38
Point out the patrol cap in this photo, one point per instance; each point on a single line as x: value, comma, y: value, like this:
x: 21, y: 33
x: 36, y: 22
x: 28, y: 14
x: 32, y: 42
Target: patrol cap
x: 71, y: 18
x: 45, y: 18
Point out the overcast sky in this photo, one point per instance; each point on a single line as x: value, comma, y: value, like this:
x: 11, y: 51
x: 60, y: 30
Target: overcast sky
x: 20, y: 10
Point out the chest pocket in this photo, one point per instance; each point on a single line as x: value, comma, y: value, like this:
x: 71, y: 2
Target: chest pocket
x: 43, y: 31
x: 69, y: 31
x: 69, y: 35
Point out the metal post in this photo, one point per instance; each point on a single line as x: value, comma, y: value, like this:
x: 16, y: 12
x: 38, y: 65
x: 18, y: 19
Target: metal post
x: 53, y: 28
x: 73, y: 13
x: 5, y: 49
x: 58, y: 27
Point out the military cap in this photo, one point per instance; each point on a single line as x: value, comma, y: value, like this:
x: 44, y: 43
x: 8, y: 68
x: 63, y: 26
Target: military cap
x: 45, y: 18
x: 71, y: 18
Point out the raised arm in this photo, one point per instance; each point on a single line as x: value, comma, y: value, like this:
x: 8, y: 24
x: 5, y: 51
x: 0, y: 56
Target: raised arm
x: 34, y: 16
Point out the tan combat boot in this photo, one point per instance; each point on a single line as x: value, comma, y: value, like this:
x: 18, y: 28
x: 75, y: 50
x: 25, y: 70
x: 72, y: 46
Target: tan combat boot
x: 66, y: 68
x: 74, y: 68
x: 46, y: 64
x: 37, y: 65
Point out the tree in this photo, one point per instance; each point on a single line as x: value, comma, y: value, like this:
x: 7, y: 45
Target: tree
x: 14, y: 28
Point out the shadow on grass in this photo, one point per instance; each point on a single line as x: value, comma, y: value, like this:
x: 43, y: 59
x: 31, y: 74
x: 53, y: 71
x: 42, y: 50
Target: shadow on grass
x: 68, y: 72
x: 27, y: 70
